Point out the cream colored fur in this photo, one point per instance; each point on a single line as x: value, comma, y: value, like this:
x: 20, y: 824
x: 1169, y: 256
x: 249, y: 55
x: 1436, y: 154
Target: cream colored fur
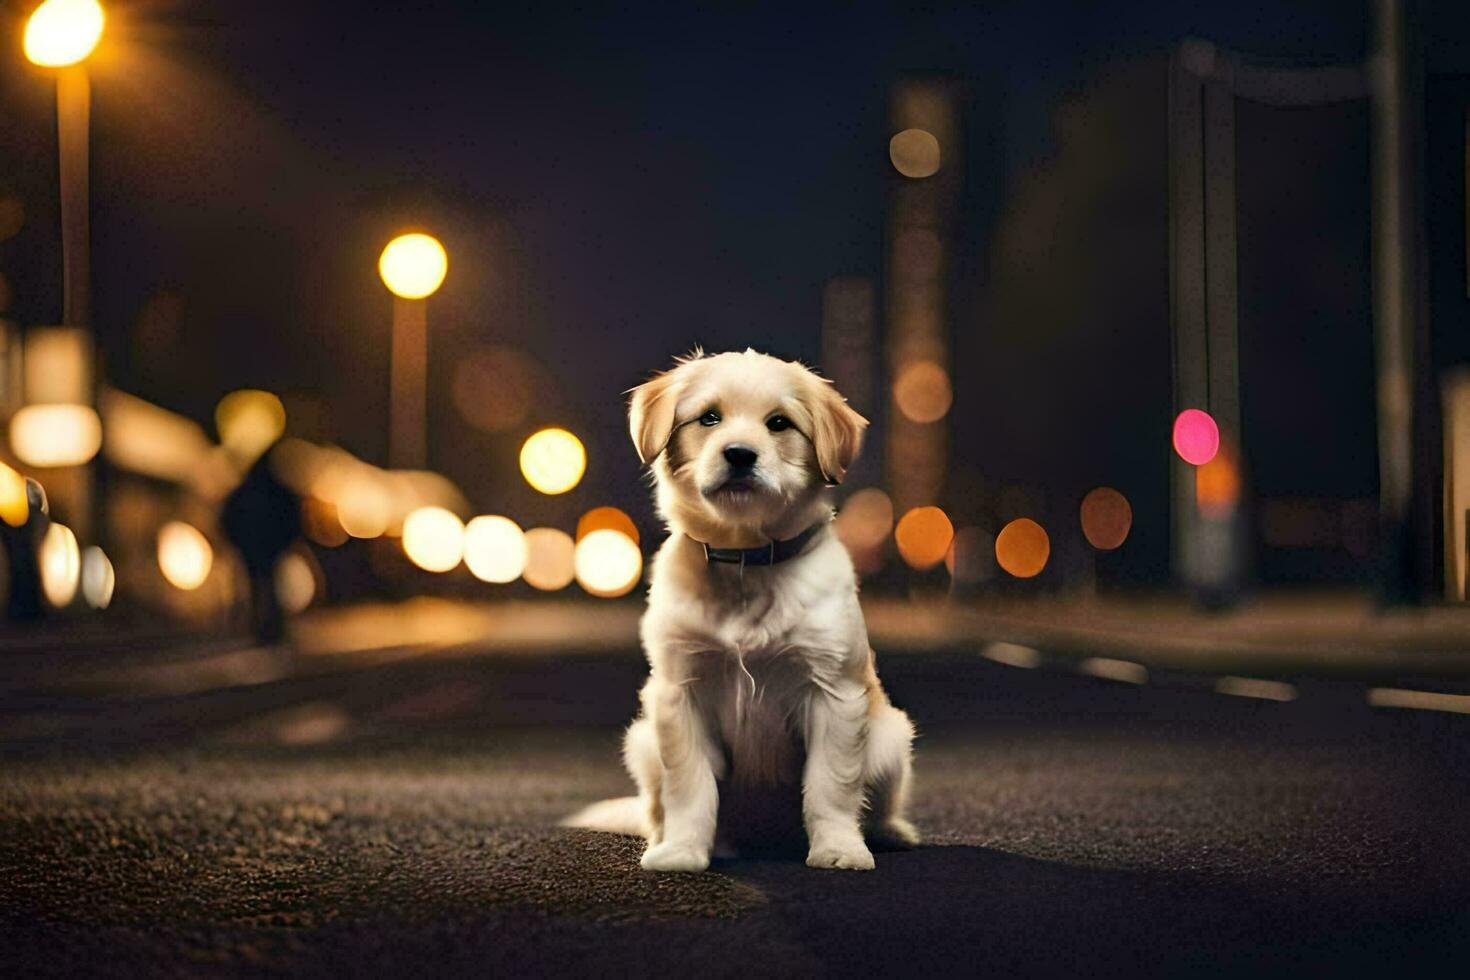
x: 761, y: 677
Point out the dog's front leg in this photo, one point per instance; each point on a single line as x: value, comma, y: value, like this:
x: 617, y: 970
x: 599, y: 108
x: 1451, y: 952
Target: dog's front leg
x: 832, y: 786
x: 690, y: 798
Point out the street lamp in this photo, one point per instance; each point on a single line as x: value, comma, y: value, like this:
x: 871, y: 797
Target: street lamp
x: 61, y: 34
x: 412, y: 267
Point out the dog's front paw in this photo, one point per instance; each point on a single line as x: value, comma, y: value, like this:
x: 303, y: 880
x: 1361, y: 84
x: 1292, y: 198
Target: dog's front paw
x: 670, y: 856
x: 852, y: 854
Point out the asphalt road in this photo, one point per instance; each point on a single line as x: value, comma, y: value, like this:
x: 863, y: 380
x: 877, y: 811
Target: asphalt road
x: 1074, y: 827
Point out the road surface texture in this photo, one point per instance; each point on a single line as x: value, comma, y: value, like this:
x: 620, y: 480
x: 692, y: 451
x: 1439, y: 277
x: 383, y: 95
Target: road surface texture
x: 1075, y: 827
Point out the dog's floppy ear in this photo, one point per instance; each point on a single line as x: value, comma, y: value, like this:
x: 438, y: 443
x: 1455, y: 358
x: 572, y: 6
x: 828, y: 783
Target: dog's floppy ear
x: 837, y: 430
x: 651, y: 414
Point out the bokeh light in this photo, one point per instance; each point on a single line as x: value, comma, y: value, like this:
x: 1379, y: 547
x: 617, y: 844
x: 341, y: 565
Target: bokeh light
x: 924, y: 535
x: 606, y: 519
x: 98, y: 578
x: 1196, y: 436
x: 295, y: 581
x: 922, y: 392
x: 1106, y: 518
x: 865, y: 519
x: 249, y: 421
x: 493, y: 389
x: 550, y: 559
x: 319, y: 521
x: 55, y: 435
x: 915, y: 153
x: 433, y: 539
x: 553, y: 461
x: 607, y: 563
x: 1022, y: 548
x: 14, y: 508
x: 364, y: 504
x: 413, y: 266
x: 184, y: 555
x: 494, y: 549
x: 1217, y: 485
x: 60, y: 565
x: 63, y: 32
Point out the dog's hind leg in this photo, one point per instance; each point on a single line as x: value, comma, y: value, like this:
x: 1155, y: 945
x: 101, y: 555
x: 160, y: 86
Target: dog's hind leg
x: 640, y: 756
x: 889, y: 771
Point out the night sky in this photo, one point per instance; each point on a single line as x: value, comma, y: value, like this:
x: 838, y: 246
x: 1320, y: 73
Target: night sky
x: 614, y: 184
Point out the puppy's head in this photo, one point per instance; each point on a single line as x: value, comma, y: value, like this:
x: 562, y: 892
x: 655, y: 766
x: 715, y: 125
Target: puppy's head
x: 741, y: 440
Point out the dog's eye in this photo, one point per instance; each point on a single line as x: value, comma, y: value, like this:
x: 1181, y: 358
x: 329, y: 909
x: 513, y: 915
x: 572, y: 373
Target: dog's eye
x: 710, y: 418
x: 778, y: 423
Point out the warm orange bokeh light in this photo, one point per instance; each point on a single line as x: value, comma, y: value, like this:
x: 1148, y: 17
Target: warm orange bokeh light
x: 923, y: 536
x: 553, y: 461
x: 1217, y: 485
x: 865, y: 519
x: 914, y: 153
x: 185, y: 555
x: 60, y: 564
x: 550, y: 559
x: 55, y: 435
x: 607, y: 563
x: 607, y: 519
x: 1022, y: 548
x: 433, y: 539
x: 1106, y: 518
x: 15, y: 508
x: 922, y: 392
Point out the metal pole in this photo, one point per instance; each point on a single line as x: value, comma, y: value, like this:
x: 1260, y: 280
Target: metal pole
x: 73, y: 113
x: 75, y: 487
x: 408, y: 395
x: 1395, y: 293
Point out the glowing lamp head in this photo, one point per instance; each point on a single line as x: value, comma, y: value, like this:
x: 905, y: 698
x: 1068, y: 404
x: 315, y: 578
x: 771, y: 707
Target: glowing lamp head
x: 553, y: 461
x: 413, y: 266
x: 1196, y: 437
x: 63, y: 32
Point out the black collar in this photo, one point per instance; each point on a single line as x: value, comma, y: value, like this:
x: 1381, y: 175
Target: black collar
x: 767, y: 554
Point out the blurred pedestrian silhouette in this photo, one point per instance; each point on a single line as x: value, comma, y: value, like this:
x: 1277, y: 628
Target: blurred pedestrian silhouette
x: 262, y: 518
x: 22, y: 553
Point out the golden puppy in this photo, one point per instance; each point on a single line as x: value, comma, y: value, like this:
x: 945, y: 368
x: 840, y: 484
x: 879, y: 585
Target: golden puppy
x: 762, y: 683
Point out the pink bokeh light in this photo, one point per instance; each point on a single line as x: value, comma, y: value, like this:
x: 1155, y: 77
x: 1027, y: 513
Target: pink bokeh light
x: 1196, y: 436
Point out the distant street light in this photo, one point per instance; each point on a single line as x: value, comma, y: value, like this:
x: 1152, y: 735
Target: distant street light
x: 412, y: 267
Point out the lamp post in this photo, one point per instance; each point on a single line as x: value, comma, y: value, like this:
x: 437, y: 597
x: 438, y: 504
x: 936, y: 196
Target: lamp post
x: 412, y: 267
x: 61, y: 35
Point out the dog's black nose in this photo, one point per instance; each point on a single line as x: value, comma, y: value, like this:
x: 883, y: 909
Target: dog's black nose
x: 740, y: 457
